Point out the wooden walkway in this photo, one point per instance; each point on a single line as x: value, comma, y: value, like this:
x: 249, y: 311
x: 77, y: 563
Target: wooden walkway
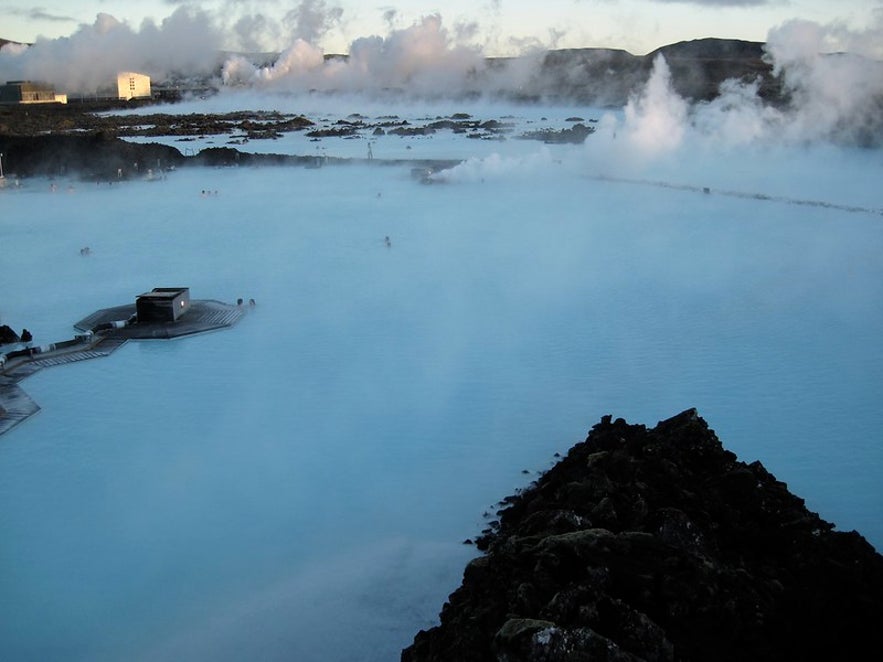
x: 16, y: 406
x: 104, y: 347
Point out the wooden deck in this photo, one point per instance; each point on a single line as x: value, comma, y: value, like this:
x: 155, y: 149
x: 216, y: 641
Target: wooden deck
x: 15, y: 404
x: 203, y: 316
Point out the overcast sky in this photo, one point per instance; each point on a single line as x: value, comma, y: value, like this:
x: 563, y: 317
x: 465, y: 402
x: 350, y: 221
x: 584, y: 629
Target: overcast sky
x: 497, y: 27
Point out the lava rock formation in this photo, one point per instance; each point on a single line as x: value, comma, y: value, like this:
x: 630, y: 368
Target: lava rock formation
x: 659, y: 544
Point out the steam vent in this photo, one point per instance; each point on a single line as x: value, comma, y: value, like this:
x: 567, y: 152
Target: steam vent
x: 162, y: 313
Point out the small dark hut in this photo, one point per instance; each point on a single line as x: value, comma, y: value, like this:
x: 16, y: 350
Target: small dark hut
x: 162, y: 304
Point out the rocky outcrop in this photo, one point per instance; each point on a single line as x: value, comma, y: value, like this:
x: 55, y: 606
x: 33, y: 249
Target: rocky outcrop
x: 575, y: 135
x: 659, y: 544
x: 8, y: 335
x: 92, y: 155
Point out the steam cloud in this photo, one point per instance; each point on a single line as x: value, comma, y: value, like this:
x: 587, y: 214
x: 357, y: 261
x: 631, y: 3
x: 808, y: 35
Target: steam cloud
x: 421, y: 58
x: 836, y: 96
x: 185, y: 42
x: 833, y: 84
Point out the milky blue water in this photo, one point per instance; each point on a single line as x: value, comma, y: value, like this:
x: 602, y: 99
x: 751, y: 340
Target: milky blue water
x: 298, y: 486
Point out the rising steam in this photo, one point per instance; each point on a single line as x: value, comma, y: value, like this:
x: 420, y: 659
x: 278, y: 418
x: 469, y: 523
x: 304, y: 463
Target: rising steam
x: 422, y: 59
x: 184, y: 43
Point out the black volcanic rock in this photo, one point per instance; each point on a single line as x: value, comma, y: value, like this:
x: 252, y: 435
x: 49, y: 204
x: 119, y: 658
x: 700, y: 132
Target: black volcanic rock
x: 659, y: 544
x: 97, y: 155
x: 575, y: 135
x: 8, y: 335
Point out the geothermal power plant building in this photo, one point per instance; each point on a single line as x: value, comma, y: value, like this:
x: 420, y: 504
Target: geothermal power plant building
x: 132, y: 86
x: 26, y: 91
x: 129, y: 85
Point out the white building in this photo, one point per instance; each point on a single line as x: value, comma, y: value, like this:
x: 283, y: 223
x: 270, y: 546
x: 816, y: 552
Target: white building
x: 131, y: 85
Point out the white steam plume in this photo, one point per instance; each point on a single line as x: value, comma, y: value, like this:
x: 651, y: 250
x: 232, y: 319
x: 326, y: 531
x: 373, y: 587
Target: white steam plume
x: 92, y: 56
x: 496, y: 167
x: 422, y: 58
x: 655, y: 119
x: 831, y: 97
x: 254, y: 32
x: 311, y: 19
x: 836, y: 94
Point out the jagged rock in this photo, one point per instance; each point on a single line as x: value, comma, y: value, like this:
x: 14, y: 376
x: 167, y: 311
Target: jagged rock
x: 575, y: 135
x: 659, y: 544
x: 7, y: 335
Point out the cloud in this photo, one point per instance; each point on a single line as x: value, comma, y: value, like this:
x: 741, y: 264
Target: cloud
x: 40, y: 14
x: 311, y: 19
x: 389, y: 16
x: 255, y: 32
x: 722, y: 3
x: 466, y: 31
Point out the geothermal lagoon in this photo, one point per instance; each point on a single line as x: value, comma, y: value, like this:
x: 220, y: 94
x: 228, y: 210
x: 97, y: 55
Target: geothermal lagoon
x: 300, y: 486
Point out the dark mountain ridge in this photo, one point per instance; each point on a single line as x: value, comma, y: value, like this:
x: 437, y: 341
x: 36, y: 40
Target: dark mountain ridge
x: 602, y: 76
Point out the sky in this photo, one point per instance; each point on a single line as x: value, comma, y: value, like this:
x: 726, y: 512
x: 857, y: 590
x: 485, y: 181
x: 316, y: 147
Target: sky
x: 496, y: 27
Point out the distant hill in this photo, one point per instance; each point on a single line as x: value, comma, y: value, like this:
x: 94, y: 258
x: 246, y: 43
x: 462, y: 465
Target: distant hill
x: 698, y: 67
x: 603, y: 76
x: 3, y: 42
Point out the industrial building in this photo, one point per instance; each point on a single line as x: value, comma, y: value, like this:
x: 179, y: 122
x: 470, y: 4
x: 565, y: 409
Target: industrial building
x: 128, y: 85
x: 26, y: 91
x: 132, y: 85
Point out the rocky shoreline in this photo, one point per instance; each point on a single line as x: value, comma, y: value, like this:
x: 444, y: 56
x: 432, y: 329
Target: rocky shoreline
x: 77, y: 141
x: 659, y: 544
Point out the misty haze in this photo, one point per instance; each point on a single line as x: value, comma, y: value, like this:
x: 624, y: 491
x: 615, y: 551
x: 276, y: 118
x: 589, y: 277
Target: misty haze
x: 424, y: 339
